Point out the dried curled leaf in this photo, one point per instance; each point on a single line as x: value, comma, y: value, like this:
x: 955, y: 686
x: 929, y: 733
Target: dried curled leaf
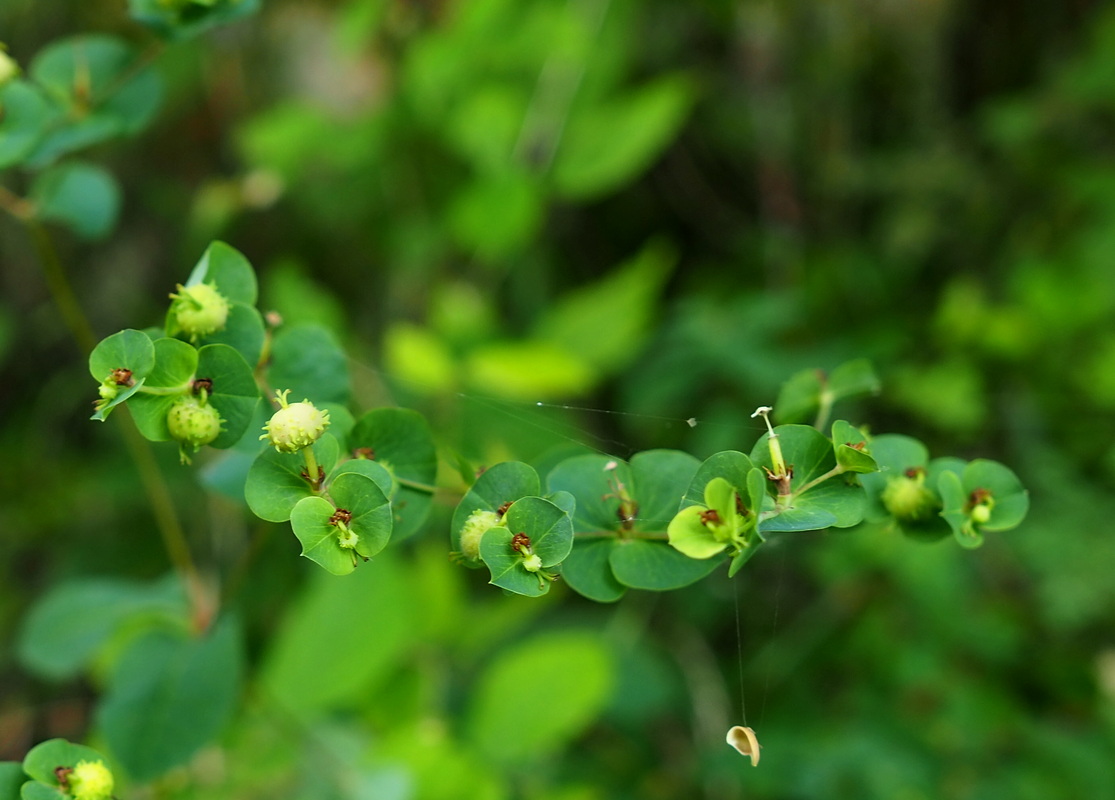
x: 743, y: 739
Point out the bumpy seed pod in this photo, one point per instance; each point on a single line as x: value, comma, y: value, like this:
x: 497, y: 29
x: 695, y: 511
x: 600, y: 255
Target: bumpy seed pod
x: 192, y: 423
x: 908, y: 498
x: 295, y: 425
x: 90, y: 780
x: 199, y: 310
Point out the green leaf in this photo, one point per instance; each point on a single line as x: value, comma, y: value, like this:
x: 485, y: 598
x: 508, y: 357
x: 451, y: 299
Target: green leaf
x: 834, y: 502
x: 528, y: 369
x: 591, y: 480
x: 803, y: 395
x: 121, y: 349
x: 313, y: 520
x: 243, y: 331
x: 100, y: 89
x: 128, y: 349
x: 550, y: 531
x: 67, y: 627
x: 369, y: 469
x: 1008, y: 500
x: 610, y: 143
x: 184, y: 20
x: 742, y: 558
x: 169, y: 696
x: 275, y: 482
x: 400, y: 440
x: 853, y: 379
x: 42, y: 759
x: 175, y: 366
x: 643, y: 564
x: 228, y: 269
x: 845, y: 438
x: 659, y: 480
x: 307, y: 360
x: 11, y: 778
x: 689, y: 535
x: 83, y: 197
x: 656, y: 481
x: 499, y: 484
x: 496, y: 215
x: 954, y: 498
x: 33, y: 790
x: 588, y: 569
x: 537, y: 696
x: 235, y: 393
x: 607, y: 321
x: 731, y: 465
x: 1012, y: 501
x: 23, y: 121
x: 339, y: 638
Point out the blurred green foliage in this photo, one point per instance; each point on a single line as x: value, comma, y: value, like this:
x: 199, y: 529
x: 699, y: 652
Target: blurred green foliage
x: 666, y: 210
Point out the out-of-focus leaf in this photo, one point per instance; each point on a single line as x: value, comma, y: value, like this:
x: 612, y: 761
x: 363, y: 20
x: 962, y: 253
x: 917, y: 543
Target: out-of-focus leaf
x: 607, y: 321
x: 83, y: 197
x: 610, y: 143
x: 170, y: 695
x: 561, y: 682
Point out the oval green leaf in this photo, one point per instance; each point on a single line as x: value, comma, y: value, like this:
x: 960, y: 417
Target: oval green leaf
x: 400, y: 439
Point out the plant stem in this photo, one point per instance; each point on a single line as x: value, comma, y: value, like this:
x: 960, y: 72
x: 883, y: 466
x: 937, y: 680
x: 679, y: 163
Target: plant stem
x: 154, y: 485
x: 60, y: 288
x: 422, y: 487
x: 313, y: 471
x: 832, y: 473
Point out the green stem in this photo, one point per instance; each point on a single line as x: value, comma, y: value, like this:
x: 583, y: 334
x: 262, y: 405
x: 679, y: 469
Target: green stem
x: 154, y: 485
x: 313, y: 472
x: 422, y: 487
x: 60, y: 288
x: 832, y: 473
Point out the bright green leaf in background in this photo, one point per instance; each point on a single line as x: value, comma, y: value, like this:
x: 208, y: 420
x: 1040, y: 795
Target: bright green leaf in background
x: 340, y: 638
x: 639, y: 125
x: 538, y: 695
x: 607, y: 321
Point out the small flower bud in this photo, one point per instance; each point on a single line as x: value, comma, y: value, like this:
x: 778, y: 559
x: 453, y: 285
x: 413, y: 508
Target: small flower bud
x: 193, y: 424
x: 91, y: 780
x: 532, y: 563
x: 199, y: 310
x: 295, y: 425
